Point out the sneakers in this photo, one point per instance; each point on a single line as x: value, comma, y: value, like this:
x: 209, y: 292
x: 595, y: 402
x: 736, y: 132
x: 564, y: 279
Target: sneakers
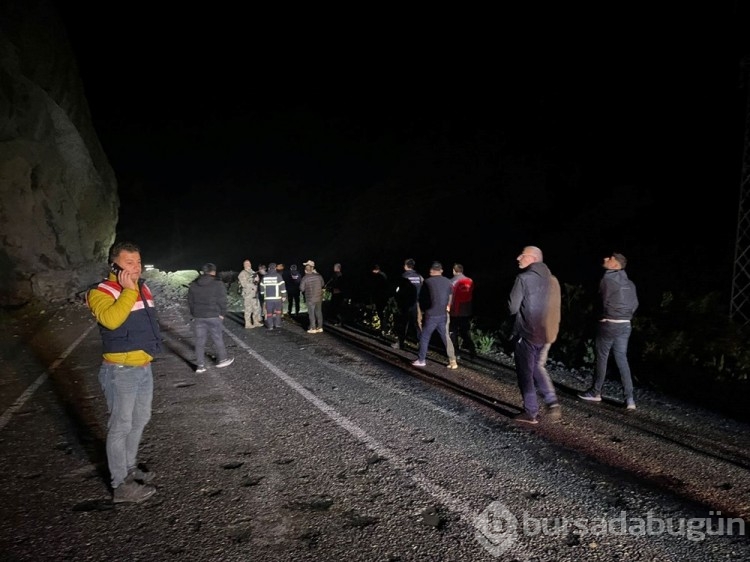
x: 591, y: 396
x: 312, y: 331
x: 225, y: 363
x: 452, y: 365
x: 419, y: 363
x: 319, y: 331
x: 554, y: 413
x: 524, y: 417
x: 630, y: 404
x: 131, y: 491
x: 200, y: 369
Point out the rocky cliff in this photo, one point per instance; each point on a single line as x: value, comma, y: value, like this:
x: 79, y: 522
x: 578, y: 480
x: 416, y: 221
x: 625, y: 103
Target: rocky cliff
x: 58, y: 193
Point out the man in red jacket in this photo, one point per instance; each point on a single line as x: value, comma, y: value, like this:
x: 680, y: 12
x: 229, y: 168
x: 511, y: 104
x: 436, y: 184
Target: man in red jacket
x: 461, y: 309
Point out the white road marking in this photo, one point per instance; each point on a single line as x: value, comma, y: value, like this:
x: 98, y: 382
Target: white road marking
x: 21, y: 400
x: 450, y: 500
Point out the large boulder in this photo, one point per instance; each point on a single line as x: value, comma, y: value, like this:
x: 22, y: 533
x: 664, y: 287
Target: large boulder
x: 58, y: 193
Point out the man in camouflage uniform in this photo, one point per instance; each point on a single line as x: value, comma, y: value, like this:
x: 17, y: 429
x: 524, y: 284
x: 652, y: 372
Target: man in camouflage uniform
x: 248, y: 280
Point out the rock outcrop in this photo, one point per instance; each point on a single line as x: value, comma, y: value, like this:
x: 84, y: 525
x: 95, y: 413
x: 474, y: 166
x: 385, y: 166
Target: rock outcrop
x: 58, y: 192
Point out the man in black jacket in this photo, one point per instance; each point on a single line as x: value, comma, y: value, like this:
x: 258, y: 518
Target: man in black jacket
x: 207, y: 300
x: 619, y: 303
x: 407, y: 300
x: 535, y: 304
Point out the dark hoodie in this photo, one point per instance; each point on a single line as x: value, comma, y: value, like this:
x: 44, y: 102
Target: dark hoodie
x: 207, y: 297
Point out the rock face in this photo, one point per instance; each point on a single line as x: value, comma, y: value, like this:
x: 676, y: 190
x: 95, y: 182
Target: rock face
x: 58, y: 193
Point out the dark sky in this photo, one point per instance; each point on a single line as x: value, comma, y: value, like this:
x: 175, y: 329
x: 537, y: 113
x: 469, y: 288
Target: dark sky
x: 457, y: 135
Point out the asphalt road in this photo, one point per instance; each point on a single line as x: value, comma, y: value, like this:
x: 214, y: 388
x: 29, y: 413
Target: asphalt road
x: 309, y: 449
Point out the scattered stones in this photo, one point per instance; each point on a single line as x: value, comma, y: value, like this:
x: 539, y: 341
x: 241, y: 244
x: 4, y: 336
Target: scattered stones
x: 430, y: 517
x: 319, y: 503
x: 251, y: 480
x: 354, y: 519
x: 375, y: 458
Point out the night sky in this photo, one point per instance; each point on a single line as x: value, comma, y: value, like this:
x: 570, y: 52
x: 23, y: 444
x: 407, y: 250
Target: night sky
x: 456, y: 135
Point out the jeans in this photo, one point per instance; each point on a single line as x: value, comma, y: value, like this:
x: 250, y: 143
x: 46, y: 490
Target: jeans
x: 203, y: 328
x: 613, y: 336
x: 542, y: 362
x: 531, y: 378
x: 431, y: 324
x: 128, y: 391
x: 315, y: 313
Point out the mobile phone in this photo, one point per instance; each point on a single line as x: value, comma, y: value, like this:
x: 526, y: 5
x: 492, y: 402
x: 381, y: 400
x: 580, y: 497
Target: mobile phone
x: 114, y: 268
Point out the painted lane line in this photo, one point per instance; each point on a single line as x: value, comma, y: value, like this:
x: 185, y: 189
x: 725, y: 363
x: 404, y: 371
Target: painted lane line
x: 21, y: 400
x: 451, y: 501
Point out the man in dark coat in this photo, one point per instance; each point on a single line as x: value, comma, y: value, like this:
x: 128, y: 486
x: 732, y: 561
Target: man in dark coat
x: 207, y: 301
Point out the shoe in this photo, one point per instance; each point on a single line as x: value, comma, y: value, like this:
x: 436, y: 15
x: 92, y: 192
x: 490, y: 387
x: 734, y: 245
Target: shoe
x: 319, y: 331
x: 139, y: 476
x: 132, y: 492
x: 591, y: 396
x: 419, y: 363
x: 225, y: 363
x: 200, y: 369
x: 630, y: 404
x: 524, y: 417
x: 312, y: 331
x: 554, y: 413
x: 452, y: 365
x: 395, y: 345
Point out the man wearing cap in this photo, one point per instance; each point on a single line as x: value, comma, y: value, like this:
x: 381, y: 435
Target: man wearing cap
x: 311, y: 285
x: 435, y: 299
x: 207, y: 301
x: 619, y: 303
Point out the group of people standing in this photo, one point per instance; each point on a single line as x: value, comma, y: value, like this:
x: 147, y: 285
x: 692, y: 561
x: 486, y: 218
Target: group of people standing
x: 442, y: 305
x: 125, y: 312
x: 265, y: 292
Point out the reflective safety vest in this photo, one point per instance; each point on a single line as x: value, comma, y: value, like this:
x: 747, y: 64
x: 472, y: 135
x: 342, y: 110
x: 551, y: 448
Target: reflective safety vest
x: 272, y: 287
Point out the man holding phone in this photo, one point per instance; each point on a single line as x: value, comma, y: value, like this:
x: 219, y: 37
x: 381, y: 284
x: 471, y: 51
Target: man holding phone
x: 124, y: 308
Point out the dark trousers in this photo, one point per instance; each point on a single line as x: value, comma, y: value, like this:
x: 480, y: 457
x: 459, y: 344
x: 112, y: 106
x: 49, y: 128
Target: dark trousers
x: 337, y: 307
x: 205, y: 327
x: 613, y: 336
x: 293, y: 300
x: 441, y: 325
x: 460, y: 328
x: 407, y: 323
x: 532, y: 379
